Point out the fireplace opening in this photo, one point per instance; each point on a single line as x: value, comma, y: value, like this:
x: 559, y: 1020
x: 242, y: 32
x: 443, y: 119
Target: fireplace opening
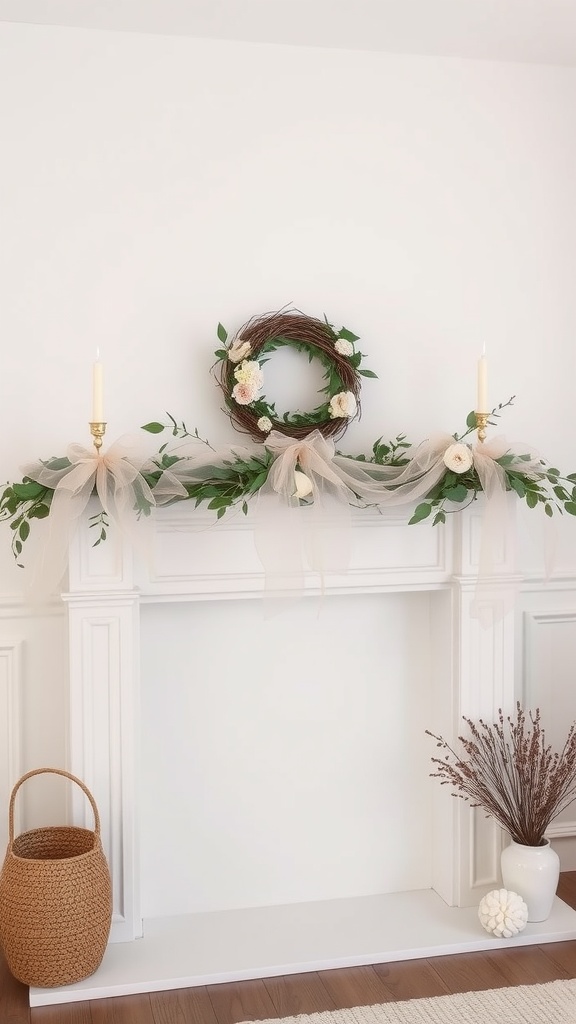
x: 284, y: 759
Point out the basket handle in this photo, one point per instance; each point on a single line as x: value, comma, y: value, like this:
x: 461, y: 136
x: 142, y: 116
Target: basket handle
x: 50, y: 771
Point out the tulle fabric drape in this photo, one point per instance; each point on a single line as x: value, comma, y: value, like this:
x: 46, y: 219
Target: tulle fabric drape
x: 291, y: 537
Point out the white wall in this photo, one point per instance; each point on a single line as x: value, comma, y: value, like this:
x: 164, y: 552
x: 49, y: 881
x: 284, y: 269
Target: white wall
x: 153, y: 186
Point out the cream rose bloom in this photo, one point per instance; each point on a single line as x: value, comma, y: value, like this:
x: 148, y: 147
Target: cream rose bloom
x: 264, y: 424
x: 249, y: 372
x: 343, y: 405
x: 239, y: 350
x: 343, y: 347
x: 458, y: 457
x: 303, y: 484
x: 243, y: 393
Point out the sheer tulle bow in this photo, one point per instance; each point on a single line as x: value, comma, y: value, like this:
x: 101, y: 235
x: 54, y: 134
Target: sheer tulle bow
x: 115, y: 477
x: 290, y: 537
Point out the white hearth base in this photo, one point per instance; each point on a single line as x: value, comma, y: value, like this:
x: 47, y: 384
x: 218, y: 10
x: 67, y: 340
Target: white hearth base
x: 237, y: 945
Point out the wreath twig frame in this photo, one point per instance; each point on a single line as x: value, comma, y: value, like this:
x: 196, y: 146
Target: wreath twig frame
x: 241, y: 380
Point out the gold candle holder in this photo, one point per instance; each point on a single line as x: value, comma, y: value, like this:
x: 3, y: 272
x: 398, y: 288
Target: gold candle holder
x: 481, y: 422
x: 97, y: 429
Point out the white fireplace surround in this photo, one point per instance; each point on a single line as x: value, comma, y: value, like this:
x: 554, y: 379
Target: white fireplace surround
x: 191, y: 559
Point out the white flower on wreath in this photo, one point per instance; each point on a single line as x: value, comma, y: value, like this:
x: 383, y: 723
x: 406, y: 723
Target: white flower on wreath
x: 342, y: 405
x: 249, y: 372
x: 343, y: 347
x: 243, y: 393
x: 303, y: 484
x: 239, y: 350
x: 264, y: 424
x: 458, y: 457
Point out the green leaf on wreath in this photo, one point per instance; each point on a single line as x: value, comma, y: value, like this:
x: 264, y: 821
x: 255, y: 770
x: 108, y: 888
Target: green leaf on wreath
x: 24, y: 530
x: 368, y: 373
x: 531, y: 499
x: 570, y: 507
x: 222, y: 334
x: 422, y: 511
x: 347, y: 335
x: 471, y: 420
x: 153, y: 428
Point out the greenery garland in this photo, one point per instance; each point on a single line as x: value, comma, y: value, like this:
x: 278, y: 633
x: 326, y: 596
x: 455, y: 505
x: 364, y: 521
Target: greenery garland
x: 232, y: 484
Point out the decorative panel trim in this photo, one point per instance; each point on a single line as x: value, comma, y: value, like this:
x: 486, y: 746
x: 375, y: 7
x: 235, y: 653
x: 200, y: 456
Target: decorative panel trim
x: 533, y: 626
x: 103, y: 715
x: 546, y: 617
x: 10, y: 725
x: 561, y: 830
x: 15, y: 606
x: 485, y: 850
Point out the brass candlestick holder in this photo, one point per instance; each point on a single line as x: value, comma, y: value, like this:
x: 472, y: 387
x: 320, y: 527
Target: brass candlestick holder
x: 97, y: 429
x: 481, y: 423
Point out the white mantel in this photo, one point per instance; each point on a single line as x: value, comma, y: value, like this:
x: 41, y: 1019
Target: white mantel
x: 192, y: 559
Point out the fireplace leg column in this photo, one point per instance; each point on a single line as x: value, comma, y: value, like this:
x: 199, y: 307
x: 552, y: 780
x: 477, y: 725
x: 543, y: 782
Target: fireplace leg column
x: 103, y: 617
x: 467, y: 843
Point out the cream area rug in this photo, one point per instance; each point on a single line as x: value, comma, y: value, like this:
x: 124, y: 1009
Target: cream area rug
x: 552, y: 1003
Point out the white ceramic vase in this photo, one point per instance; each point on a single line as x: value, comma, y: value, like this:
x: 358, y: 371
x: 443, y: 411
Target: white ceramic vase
x: 532, y: 872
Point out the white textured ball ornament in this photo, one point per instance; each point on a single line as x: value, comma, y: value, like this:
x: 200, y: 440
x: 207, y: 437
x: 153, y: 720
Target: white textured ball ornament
x: 503, y: 913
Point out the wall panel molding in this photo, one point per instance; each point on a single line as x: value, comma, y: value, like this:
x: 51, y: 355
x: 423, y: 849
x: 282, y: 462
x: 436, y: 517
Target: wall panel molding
x: 10, y: 726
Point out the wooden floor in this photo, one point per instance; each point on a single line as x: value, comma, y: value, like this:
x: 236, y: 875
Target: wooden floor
x: 309, y: 993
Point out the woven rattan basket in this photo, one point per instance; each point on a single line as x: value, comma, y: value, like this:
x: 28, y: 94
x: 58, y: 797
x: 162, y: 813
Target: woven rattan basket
x: 55, y: 899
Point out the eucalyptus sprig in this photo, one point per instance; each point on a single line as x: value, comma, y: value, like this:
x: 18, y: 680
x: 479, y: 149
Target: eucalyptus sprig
x: 472, y: 424
x: 386, y: 453
x: 23, y: 502
x: 177, y: 430
x: 222, y: 485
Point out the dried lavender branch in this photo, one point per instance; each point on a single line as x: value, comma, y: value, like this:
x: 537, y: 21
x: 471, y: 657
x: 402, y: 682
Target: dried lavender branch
x: 508, y: 769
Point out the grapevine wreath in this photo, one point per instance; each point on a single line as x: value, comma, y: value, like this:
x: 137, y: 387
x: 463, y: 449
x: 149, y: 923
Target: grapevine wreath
x: 241, y: 377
